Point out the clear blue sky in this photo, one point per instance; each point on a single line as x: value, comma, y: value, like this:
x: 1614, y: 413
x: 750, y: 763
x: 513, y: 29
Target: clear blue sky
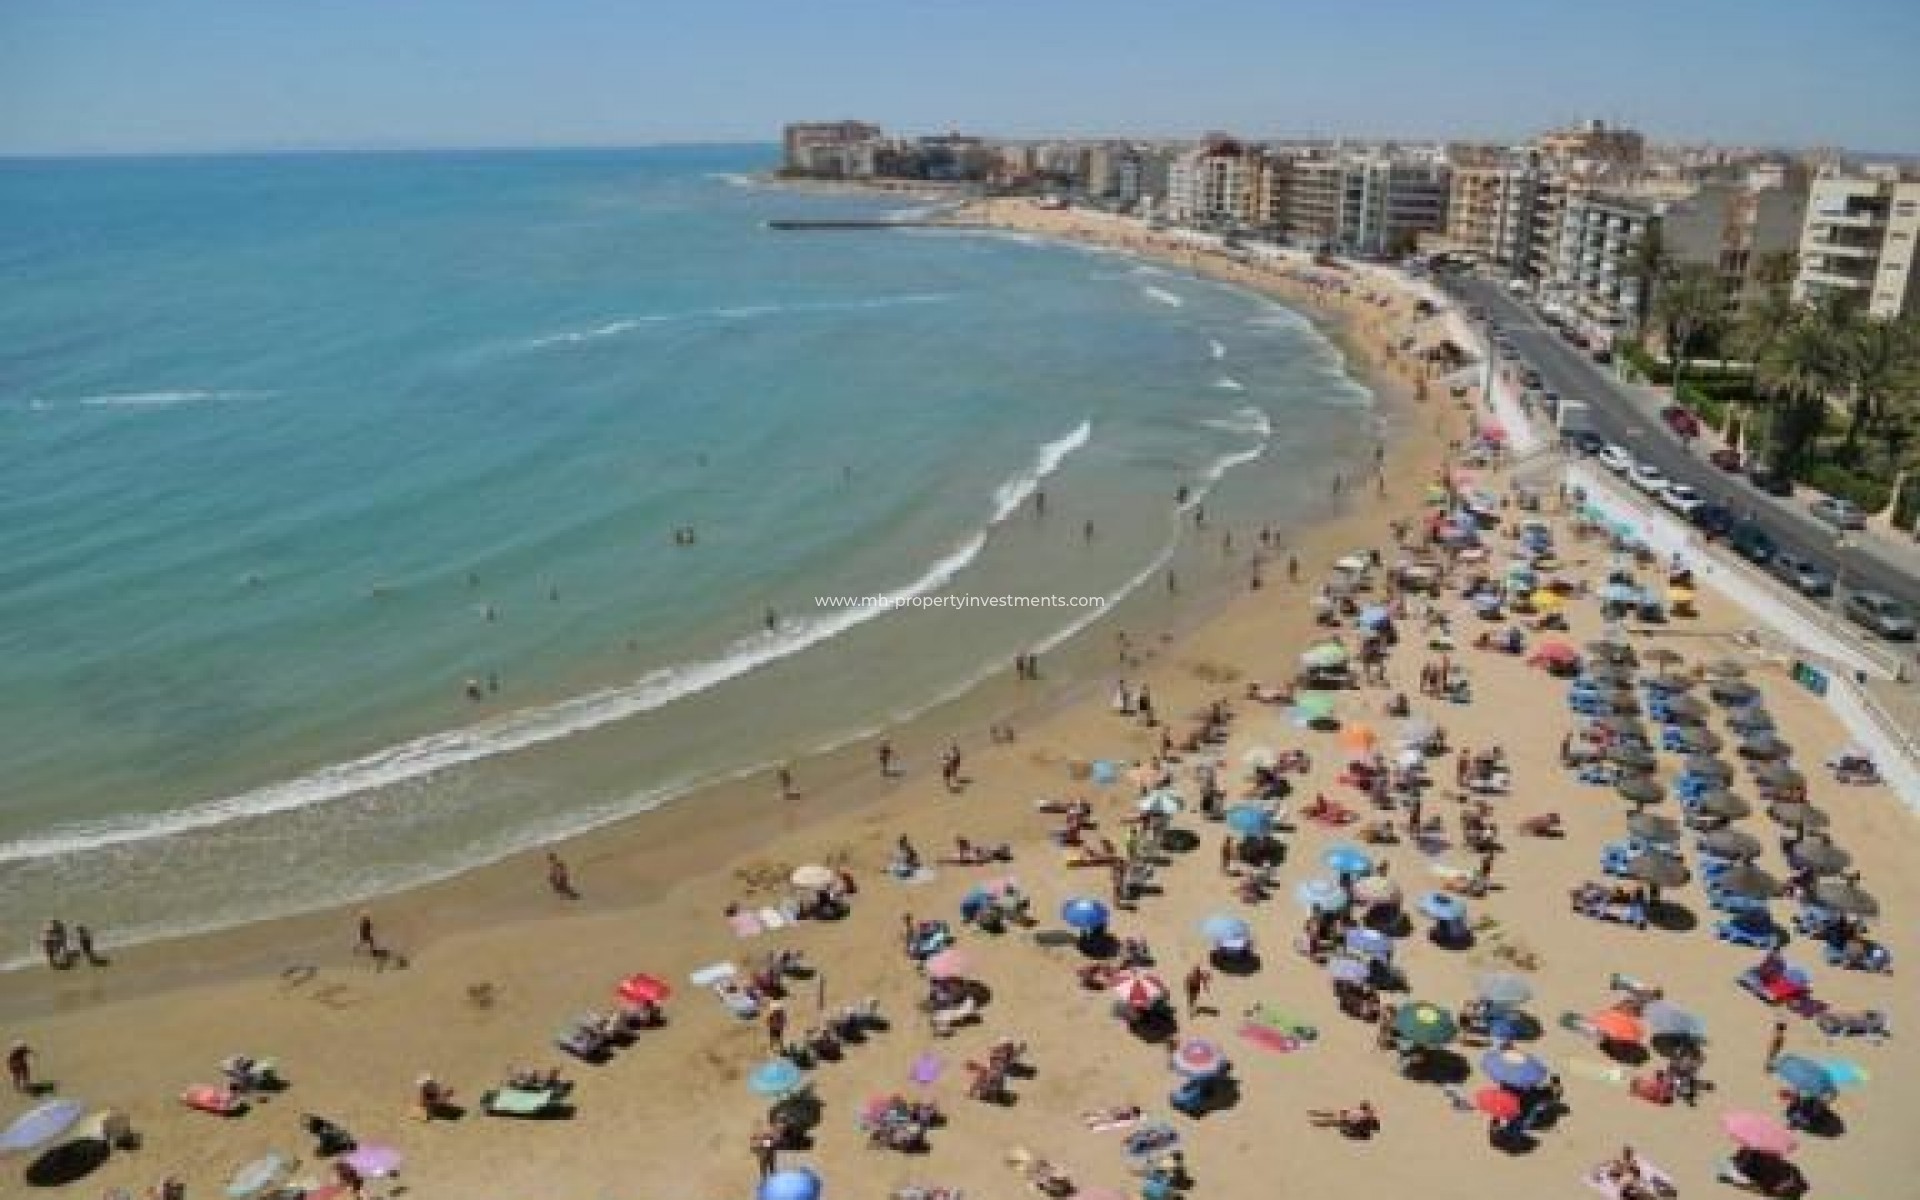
x: 101, y: 75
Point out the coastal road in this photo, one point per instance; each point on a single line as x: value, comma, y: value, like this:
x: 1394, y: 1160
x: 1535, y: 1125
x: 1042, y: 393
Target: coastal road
x: 1619, y: 414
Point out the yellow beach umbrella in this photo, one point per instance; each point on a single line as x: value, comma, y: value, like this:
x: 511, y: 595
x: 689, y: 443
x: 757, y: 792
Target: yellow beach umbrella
x: 1548, y: 600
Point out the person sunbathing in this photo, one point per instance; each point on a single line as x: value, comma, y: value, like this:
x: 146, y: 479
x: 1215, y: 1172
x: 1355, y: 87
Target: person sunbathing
x: 1120, y: 1114
x: 1357, y: 1122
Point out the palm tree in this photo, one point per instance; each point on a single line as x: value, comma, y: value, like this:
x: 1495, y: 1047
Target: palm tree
x: 1690, y: 304
x: 1651, y: 265
x: 1804, y: 365
x: 1764, y: 320
x: 1878, y: 355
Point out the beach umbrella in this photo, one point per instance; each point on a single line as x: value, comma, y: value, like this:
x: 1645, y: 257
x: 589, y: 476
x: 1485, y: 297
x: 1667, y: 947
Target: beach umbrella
x: 1803, y: 1075
x: 1105, y: 772
x: 1618, y: 1025
x: 951, y: 963
x: 1627, y: 754
x: 1084, y: 913
x: 1197, y: 1058
x: 1751, y: 719
x: 1370, y: 943
x: 257, y: 1176
x: 644, y: 989
x: 41, y: 1124
x: 1733, y: 691
x: 1498, y: 1103
x: 1443, y: 907
x: 1321, y: 895
x: 1841, y: 896
x: 1640, y: 791
x: 1514, y: 1069
x: 1683, y: 706
x: 1652, y: 827
x: 1747, y: 880
x: 1797, y: 813
x: 1260, y: 758
x: 1248, y: 820
x: 1425, y: 1024
x: 1820, y: 856
x: 775, y: 1077
x: 1612, y: 651
x: 1730, y: 843
x: 1697, y: 741
x: 1719, y: 802
x: 1326, y: 656
x: 1503, y: 989
x: 1376, y: 616
x: 798, y: 1183
x: 1347, y: 859
x: 1313, y: 708
x: 1777, y: 775
x: 1163, y: 803
x: 1375, y: 889
x: 375, y: 1160
x: 1357, y: 740
x: 1139, y: 990
x: 1759, y: 1132
x: 1547, y: 600
x: 1726, y: 668
x: 814, y: 878
x: 1670, y: 1021
x: 1348, y: 970
x: 1846, y: 1073
x: 1660, y: 870
x: 1225, y: 929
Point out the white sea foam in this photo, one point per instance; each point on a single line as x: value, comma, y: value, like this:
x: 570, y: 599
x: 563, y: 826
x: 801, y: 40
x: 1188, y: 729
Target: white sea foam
x: 1163, y: 296
x: 1228, y: 383
x: 1009, y: 496
x: 739, y: 312
x: 509, y: 732
x: 157, y: 399
x: 1243, y: 421
x: 1219, y: 351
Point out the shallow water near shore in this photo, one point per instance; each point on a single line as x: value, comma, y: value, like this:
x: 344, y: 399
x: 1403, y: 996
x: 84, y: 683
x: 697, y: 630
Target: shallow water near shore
x: 295, y: 448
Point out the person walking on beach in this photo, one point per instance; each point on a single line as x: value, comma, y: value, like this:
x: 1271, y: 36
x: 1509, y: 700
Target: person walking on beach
x: 83, y: 938
x: 53, y: 943
x: 1199, y: 983
x: 776, y: 1027
x: 1293, y: 569
x: 1226, y: 855
x: 20, y: 1066
x: 766, y: 1152
x: 950, y: 767
x: 787, y: 791
x: 365, y: 943
x: 558, y: 877
x: 885, y: 752
x: 1776, y: 1042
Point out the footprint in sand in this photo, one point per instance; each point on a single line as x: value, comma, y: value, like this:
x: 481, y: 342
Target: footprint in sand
x: 336, y: 995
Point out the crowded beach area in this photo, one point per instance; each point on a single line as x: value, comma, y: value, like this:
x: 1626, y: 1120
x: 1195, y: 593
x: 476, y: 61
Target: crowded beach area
x: 1472, y: 851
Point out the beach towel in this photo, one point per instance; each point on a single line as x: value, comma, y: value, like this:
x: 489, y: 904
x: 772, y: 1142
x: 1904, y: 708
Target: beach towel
x: 772, y: 918
x: 1281, y: 1022
x: 927, y: 1068
x: 1106, y: 1123
x: 218, y: 1101
x: 1268, y: 1038
x: 517, y: 1102
x: 709, y: 975
x: 1661, y: 1182
x: 745, y: 924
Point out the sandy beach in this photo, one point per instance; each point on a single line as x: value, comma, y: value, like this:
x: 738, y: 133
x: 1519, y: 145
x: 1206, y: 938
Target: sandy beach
x: 496, y: 964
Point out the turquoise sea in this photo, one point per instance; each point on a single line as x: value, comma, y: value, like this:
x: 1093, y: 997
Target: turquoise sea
x: 294, y: 448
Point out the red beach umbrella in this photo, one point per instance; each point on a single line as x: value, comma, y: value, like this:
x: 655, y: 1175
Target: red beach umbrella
x: 1616, y: 1025
x: 1140, y: 990
x: 1498, y: 1103
x: 644, y: 989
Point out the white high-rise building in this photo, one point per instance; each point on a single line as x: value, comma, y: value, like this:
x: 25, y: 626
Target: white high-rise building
x: 1213, y: 183
x: 1862, y: 239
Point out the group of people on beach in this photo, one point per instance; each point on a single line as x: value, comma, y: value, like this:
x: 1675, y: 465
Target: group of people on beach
x: 65, y: 946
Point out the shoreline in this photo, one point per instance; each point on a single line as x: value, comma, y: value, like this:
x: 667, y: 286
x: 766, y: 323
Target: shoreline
x: 734, y: 816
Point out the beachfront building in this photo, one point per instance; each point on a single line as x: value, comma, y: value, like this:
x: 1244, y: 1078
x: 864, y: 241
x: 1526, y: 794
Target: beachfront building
x: 831, y: 149
x: 1213, y: 184
x: 1491, y: 202
x: 1736, y: 226
x: 1596, y: 255
x: 1862, y: 239
x: 1373, y: 202
x: 1141, y: 177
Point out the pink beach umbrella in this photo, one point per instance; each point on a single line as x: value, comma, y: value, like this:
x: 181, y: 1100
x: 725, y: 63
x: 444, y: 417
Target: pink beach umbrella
x: 951, y: 963
x: 1198, y: 1058
x: 1140, y: 989
x: 1759, y: 1132
x: 375, y: 1160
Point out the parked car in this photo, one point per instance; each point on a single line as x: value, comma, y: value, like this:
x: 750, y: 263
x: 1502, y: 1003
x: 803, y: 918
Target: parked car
x: 1531, y: 378
x: 1770, y: 481
x: 1752, y: 543
x: 1586, y: 442
x: 1881, y: 613
x: 1614, y: 457
x: 1681, y: 499
x: 1727, y: 459
x: 1683, y: 423
x: 1647, y: 478
x: 1602, y: 355
x: 1801, y: 574
x: 1714, y: 520
x: 1838, y: 512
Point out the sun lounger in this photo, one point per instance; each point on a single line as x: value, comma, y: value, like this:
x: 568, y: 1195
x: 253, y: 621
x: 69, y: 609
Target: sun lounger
x: 709, y: 975
x: 1868, y: 1023
x: 519, y: 1102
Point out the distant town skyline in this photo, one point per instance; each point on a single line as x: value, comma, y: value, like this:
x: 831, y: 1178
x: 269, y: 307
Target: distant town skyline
x: 93, y: 76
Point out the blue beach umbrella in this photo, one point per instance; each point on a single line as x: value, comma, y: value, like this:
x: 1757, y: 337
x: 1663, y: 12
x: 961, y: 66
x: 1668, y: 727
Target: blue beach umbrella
x: 1504, y: 989
x: 1376, y: 616
x: 1370, y: 943
x: 1846, y: 1073
x: 1442, y: 907
x: 41, y: 1124
x: 1620, y: 593
x: 1246, y: 820
x: 1321, y: 895
x: 1347, y: 860
x: 775, y: 1077
x: 1348, y: 970
x: 1225, y: 929
x: 1803, y: 1075
x: 1165, y: 802
x: 1105, y: 772
x: 1670, y: 1020
x: 1514, y: 1069
x: 257, y: 1176
x: 1084, y: 913
x: 798, y: 1184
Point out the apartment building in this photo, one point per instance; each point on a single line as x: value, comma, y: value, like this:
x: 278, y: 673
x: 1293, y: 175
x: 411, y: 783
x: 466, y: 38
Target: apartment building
x: 1862, y: 238
x: 830, y: 149
x: 1592, y: 144
x: 1491, y: 203
x: 1736, y: 226
x: 1370, y: 203
x: 1213, y: 183
x: 1596, y: 251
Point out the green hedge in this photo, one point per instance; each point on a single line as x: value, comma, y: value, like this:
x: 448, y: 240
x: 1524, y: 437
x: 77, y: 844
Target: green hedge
x: 1868, y: 493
